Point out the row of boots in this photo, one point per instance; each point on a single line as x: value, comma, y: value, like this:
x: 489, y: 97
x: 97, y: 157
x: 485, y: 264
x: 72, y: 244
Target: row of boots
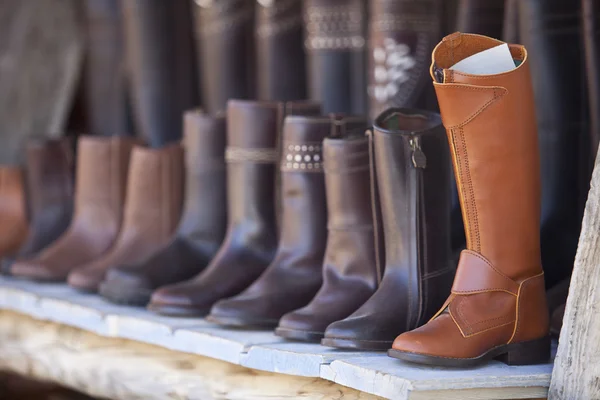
x: 306, y: 224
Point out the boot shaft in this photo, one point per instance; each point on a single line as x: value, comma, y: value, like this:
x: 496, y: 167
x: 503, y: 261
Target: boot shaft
x: 154, y: 190
x: 280, y: 53
x: 205, y: 205
x: 495, y: 156
x: 101, y: 177
x: 402, y: 35
x: 225, y: 49
x: 50, y: 174
x: 482, y: 17
x: 413, y: 177
x: 335, y: 45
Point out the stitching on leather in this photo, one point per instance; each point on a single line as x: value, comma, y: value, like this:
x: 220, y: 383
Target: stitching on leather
x: 496, y: 96
x: 488, y: 329
x: 473, y: 206
x: 438, y: 273
x: 490, y: 264
x: 491, y: 290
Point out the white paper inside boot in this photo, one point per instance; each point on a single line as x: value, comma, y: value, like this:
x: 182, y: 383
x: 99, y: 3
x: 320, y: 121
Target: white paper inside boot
x: 488, y: 62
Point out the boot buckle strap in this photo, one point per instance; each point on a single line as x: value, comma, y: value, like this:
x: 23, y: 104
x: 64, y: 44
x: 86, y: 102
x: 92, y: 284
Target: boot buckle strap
x: 475, y: 274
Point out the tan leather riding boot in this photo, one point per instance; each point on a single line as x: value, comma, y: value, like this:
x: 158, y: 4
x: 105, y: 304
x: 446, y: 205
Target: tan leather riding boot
x: 497, y: 308
x: 13, y: 210
x: 152, y: 211
x: 99, y: 195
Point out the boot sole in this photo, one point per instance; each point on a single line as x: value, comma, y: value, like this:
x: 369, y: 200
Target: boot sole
x: 175, y: 311
x: 370, y: 345
x: 523, y: 353
x: 303, y: 336
x: 234, y: 322
x: 127, y: 298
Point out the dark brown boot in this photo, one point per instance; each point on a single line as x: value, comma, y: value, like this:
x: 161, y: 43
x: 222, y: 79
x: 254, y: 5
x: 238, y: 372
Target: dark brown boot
x: 412, y: 165
x: 482, y: 17
x: 100, y: 192
x: 50, y: 192
x: 151, y: 213
x: 203, y: 223
x: 251, y: 240
x: 335, y: 42
x: 294, y: 276
x: 225, y: 49
x: 280, y: 50
x: 350, y: 274
x: 402, y: 35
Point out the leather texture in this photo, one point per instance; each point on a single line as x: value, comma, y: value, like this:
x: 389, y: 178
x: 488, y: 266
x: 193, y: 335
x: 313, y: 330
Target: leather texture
x: 160, y: 65
x: 281, y: 72
x: 151, y: 213
x: 50, y: 190
x: 402, y: 35
x: 13, y: 210
x: 481, y: 17
x: 104, y: 73
x: 335, y: 45
x: 350, y: 273
x: 551, y: 31
x: 294, y: 276
x: 226, y: 52
x: 203, y: 222
x: 591, y: 25
x: 498, y: 296
x: 102, y: 165
x: 412, y: 167
x: 251, y: 240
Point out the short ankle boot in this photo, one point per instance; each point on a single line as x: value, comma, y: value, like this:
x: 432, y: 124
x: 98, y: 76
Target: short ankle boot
x: 294, y: 276
x: 151, y: 213
x: 412, y: 167
x: 50, y: 191
x: 402, y: 35
x: 203, y: 223
x: 350, y: 274
x: 251, y: 240
x: 102, y: 165
x: 225, y: 49
x: 497, y: 307
x: 335, y: 46
x: 280, y: 50
x: 13, y: 210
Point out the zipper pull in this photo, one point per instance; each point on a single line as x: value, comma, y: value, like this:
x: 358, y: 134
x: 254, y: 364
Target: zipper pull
x: 438, y: 73
x: 419, y: 159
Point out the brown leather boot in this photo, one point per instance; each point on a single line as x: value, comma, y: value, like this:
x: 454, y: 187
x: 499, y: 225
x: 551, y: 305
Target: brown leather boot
x: 280, y: 50
x: 483, y: 17
x: 350, y: 273
x: 203, y: 223
x: 294, y: 276
x: 497, y: 308
x: 13, y: 210
x: 412, y: 166
x: 50, y: 191
x: 100, y: 191
x: 402, y: 35
x: 151, y: 213
x: 251, y: 240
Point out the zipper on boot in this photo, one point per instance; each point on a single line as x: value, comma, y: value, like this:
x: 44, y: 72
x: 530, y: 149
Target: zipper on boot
x: 418, y: 157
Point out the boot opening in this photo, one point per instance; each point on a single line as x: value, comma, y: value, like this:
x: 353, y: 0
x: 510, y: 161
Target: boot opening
x: 402, y: 120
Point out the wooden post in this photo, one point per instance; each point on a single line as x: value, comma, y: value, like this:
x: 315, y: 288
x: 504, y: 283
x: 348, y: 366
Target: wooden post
x: 576, y: 372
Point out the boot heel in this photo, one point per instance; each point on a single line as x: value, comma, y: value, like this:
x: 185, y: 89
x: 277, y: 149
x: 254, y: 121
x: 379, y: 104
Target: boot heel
x: 527, y: 353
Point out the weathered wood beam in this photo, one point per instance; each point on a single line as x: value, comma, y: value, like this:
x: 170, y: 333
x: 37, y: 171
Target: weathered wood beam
x: 576, y: 372
x: 121, y: 369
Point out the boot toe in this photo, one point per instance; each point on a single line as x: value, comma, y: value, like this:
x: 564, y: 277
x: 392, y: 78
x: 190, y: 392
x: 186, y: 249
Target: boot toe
x: 34, y: 270
x: 83, y: 280
x: 240, y: 312
x: 174, y: 300
x: 126, y: 286
x: 357, y: 333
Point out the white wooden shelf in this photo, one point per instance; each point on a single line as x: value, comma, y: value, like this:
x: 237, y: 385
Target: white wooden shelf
x: 368, y: 372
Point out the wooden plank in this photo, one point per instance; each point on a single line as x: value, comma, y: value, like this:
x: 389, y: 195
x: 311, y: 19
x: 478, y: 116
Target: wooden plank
x: 577, y: 366
x: 121, y: 369
x: 41, y: 51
